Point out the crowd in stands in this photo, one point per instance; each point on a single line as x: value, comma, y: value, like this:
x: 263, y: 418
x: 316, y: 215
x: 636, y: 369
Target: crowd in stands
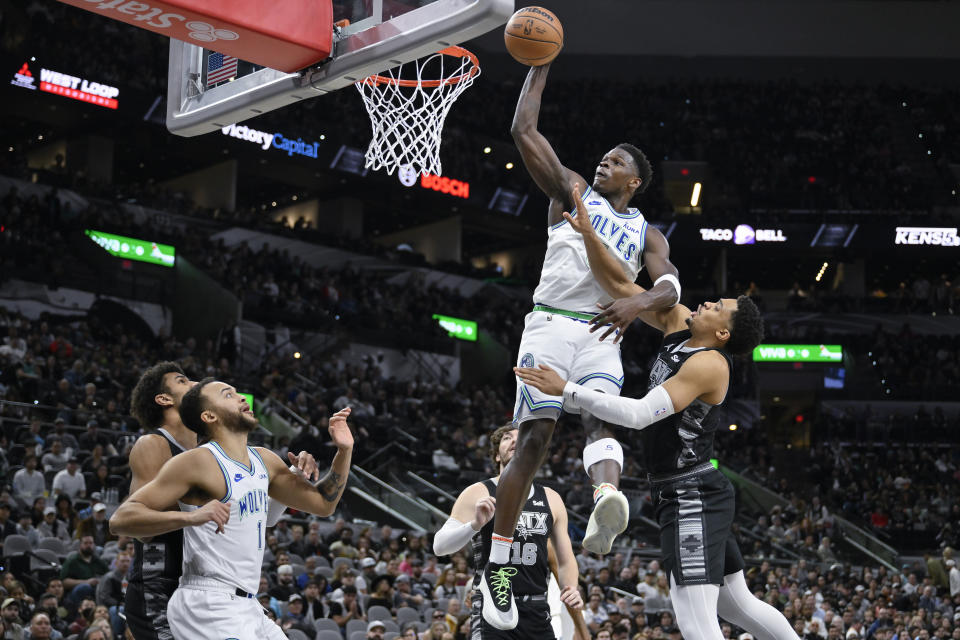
x: 61, y: 481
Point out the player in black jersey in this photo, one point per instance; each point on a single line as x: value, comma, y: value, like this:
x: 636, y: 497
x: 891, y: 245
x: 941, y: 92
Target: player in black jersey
x: 157, y: 562
x: 543, y: 521
x: 677, y: 422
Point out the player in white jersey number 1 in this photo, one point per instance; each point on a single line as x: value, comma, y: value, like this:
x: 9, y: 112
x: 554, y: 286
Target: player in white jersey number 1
x: 224, y: 487
x: 556, y: 332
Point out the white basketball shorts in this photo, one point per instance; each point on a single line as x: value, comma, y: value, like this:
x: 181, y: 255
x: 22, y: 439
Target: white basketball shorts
x: 208, y: 613
x: 562, y: 341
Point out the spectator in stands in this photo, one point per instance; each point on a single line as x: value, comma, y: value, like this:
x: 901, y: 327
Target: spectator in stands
x: 56, y: 458
x: 65, y: 512
x: 81, y: 571
x: 347, y: 610
x: 30, y: 436
x: 84, y: 616
x: 381, y: 593
x: 96, y: 526
x: 282, y: 532
x: 294, y: 618
x: 92, y: 437
x: 285, y: 586
x: 446, y: 585
x: 375, y: 630
x: 7, y: 526
x: 68, y: 441
x: 26, y: 529
x: 70, y: 481
x: 95, y: 633
x: 10, y: 617
x: 50, y: 605
x: 343, y: 547
x: 101, y: 479
x: 406, y: 595
x: 313, y: 609
x: 110, y: 590
x: 41, y: 629
x: 28, y: 483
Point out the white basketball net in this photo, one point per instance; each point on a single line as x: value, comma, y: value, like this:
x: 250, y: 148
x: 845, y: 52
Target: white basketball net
x: 407, y: 115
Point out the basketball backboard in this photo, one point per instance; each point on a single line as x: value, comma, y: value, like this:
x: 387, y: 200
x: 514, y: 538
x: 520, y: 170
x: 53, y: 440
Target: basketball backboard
x: 381, y: 34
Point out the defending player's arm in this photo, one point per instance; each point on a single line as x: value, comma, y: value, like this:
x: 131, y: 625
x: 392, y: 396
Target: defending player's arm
x: 568, y: 573
x: 633, y: 300
x: 473, y: 509
x: 146, y: 458
x: 704, y: 374
x: 145, y: 513
x: 664, y: 296
x: 295, y: 491
x: 541, y: 160
x: 580, y: 629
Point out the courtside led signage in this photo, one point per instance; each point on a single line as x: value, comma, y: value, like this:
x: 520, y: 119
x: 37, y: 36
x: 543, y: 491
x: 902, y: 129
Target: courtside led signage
x: 458, y: 328
x: 743, y: 234
x: 798, y: 353
x: 938, y: 236
x: 68, y: 86
x: 275, y: 140
x: 133, y: 249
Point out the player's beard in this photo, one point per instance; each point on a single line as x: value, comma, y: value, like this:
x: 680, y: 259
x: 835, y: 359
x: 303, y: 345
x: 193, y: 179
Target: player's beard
x: 241, y: 422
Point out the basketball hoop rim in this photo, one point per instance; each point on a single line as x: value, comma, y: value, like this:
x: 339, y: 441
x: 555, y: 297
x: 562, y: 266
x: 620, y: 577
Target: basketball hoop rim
x: 455, y: 51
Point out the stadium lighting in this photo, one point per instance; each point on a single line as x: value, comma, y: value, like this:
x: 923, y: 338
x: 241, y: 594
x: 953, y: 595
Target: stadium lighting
x: 509, y: 165
x: 296, y: 355
x: 695, y: 196
x: 733, y: 427
x: 823, y: 269
x: 487, y: 149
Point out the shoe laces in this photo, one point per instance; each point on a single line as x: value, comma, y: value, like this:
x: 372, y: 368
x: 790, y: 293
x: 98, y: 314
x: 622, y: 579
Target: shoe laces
x: 500, y: 584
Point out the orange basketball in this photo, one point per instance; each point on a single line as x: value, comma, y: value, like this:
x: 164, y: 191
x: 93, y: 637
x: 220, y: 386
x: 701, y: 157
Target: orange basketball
x: 534, y: 36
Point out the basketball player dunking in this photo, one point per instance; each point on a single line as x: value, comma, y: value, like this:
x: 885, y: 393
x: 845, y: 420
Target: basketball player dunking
x: 556, y: 331
x: 543, y: 520
x: 156, y: 567
x: 224, y: 487
x: 677, y: 420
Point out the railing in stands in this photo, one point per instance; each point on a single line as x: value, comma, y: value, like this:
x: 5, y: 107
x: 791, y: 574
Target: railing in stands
x: 763, y: 499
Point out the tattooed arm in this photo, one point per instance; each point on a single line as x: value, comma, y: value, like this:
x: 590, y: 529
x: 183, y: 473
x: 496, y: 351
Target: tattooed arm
x: 296, y: 492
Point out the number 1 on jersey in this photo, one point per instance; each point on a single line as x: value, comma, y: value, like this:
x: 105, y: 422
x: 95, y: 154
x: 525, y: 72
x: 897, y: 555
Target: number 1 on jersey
x: 259, y: 534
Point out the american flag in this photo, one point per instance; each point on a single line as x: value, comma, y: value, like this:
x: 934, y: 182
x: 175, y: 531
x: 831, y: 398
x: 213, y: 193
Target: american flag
x: 220, y: 67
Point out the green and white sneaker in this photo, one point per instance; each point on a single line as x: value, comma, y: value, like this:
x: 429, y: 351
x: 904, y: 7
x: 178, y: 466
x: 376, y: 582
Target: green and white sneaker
x: 496, y: 588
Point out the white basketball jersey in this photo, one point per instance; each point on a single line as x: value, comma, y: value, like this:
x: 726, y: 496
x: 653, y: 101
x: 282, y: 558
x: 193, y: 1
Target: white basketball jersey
x: 233, y: 557
x: 566, y: 281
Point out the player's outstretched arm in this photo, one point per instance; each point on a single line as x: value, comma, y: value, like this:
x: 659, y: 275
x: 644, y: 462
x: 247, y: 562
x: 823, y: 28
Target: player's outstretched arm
x: 655, y: 306
x: 580, y: 630
x: 704, y: 374
x: 293, y: 490
x: 145, y: 513
x: 541, y: 160
x: 473, y: 509
x: 568, y: 573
